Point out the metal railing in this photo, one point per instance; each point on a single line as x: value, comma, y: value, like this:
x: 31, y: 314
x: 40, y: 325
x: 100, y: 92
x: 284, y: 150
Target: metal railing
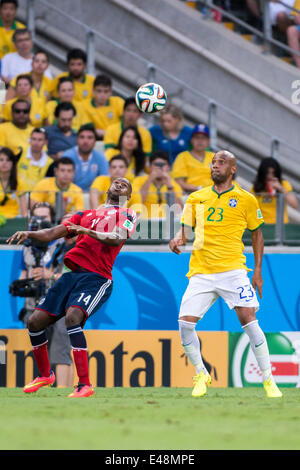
x: 212, y: 105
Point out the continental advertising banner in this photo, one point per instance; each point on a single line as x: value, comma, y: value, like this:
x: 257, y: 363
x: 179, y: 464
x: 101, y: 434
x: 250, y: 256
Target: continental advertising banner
x: 284, y: 348
x: 123, y: 358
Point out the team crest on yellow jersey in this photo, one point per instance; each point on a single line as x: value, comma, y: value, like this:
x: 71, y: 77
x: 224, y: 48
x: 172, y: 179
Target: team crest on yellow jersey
x: 232, y: 202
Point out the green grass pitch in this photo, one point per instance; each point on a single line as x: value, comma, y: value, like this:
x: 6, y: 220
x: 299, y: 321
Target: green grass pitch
x: 149, y: 418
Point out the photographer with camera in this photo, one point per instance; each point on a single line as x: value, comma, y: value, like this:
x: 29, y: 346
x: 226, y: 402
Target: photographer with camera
x: 41, y: 266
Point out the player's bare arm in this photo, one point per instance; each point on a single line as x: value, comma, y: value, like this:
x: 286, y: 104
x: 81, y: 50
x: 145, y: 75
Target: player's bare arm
x: 46, y: 235
x: 258, y: 250
x: 115, y: 238
x: 180, y: 239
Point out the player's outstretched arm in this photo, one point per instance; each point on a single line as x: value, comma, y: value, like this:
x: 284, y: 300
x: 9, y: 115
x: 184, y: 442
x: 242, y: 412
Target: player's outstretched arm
x: 258, y: 250
x: 180, y: 239
x: 46, y: 235
x: 114, y: 238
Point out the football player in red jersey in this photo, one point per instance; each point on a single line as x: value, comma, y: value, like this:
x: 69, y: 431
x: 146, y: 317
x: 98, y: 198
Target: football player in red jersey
x: 101, y: 233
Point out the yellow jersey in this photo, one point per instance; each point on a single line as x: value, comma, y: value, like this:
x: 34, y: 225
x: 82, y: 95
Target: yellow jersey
x: 103, y: 116
x: 44, y: 92
x: 112, y: 136
x: 155, y: 204
x: 219, y: 222
x: 46, y: 189
x: 37, y: 111
x: 83, y: 89
x: 268, y: 204
x: 192, y: 170
x: 6, y: 42
x: 102, y: 184
x: 14, y: 138
x: 31, y: 172
x: 10, y: 207
x: 79, y: 120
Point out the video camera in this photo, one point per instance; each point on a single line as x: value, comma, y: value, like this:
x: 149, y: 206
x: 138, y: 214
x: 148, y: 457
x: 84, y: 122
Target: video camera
x: 30, y: 287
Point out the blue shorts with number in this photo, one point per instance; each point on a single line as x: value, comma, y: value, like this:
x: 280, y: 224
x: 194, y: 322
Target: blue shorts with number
x: 85, y: 290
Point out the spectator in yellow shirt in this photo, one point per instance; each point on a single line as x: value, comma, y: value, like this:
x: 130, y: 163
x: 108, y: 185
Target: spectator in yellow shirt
x: 34, y: 161
x: 66, y: 94
x: 12, y: 191
x: 131, y: 115
x: 83, y: 82
x: 130, y: 146
x: 103, y: 109
x: 16, y: 134
x: 151, y: 194
x: 38, y: 115
x: 8, y: 25
x: 191, y: 169
x: 46, y: 189
x: 267, y: 185
x: 118, y: 167
x: 42, y: 84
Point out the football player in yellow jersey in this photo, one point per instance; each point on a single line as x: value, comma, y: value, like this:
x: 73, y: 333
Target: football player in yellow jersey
x: 118, y: 166
x: 103, y: 109
x: 83, y: 82
x: 191, y: 169
x: 219, y: 215
x: 24, y: 86
x: 8, y: 25
x: 42, y: 85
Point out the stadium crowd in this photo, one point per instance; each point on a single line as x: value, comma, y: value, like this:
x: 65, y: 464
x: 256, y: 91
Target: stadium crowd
x: 70, y: 135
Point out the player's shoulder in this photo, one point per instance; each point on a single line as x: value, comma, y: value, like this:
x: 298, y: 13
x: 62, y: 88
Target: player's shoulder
x: 247, y: 195
x: 198, y: 196
x: 128, y: 213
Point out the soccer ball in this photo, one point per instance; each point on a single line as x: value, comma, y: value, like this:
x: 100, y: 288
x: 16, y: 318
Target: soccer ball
x: 151, y: 98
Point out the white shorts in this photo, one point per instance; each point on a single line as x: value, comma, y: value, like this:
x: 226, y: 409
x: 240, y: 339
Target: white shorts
x: 276, y: 8
x: 204, y: 289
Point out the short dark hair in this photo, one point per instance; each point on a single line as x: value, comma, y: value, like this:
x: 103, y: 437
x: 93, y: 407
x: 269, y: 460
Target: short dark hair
x: 40, y: 130
x: 20, y: 32
x: 40, y: 51
x: 76, y: 54
x: 64, y: 80
x: 103, y: 80
x: 118, y: 157
x: 15, y: 2
x: 87, y: 127
x: 20, y: 101
x: 130, y: 100
x: 64, y: 107
x: 159, y: 154
x: 24, y: 76
x: 65, y: 161
x: 37, y: 205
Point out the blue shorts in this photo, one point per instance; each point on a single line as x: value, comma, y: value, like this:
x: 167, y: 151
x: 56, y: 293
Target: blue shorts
x: 85, y: 290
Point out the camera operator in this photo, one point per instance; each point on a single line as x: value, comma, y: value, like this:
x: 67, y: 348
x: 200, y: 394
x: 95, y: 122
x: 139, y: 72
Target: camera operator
x: 42, y: 265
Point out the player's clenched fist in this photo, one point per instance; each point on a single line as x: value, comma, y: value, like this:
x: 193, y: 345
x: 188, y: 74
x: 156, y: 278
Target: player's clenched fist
x: 18, y: 236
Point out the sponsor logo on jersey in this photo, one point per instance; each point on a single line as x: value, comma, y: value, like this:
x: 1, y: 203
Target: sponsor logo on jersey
x: 127, y: 224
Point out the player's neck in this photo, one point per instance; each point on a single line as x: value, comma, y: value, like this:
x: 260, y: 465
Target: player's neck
x: 223, y: 187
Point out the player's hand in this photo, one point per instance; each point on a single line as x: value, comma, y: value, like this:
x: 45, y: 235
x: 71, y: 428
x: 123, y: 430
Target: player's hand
x: 77, y: 229
x: 41, y: 273
x: 175, y: 244
x: 257, y: 281
x: 19, y: 237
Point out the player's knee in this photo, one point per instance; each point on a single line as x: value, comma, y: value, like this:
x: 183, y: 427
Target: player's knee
x: 74, y: 316
x: 34, y: 323
x: 186, y: 330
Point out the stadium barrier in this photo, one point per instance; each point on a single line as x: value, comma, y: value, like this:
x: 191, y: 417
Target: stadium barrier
x: 157, y: 359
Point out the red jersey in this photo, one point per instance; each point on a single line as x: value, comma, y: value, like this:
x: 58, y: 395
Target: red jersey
x: 94, y: 255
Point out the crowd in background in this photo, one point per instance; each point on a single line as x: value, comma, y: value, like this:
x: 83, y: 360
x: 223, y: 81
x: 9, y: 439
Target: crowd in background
x: 69, y: 135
